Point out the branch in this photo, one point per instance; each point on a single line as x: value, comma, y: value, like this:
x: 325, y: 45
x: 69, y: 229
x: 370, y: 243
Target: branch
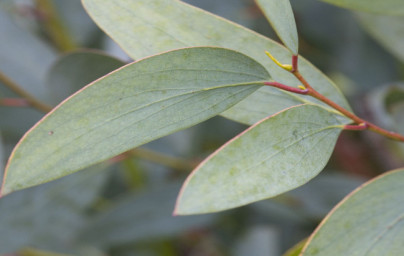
x: 34, y: 102
x: 309, y: 90
x: 152, y: 156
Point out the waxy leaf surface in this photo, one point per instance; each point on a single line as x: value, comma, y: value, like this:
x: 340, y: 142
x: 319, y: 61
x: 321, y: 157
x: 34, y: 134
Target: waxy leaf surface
x: 279, y: 13
x: 73, y: 71
x: 389, y: 7
x: 275, y: 155
x: 368, y: 222
x: 136, y: 104
x: 146, y: 27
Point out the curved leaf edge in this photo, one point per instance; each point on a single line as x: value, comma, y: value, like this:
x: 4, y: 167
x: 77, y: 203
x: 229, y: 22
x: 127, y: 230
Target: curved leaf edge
x: 176, y: 211
x: 293, y: 50
x: 346, y: 198
x: 4, y: 191
x: 278, y: 44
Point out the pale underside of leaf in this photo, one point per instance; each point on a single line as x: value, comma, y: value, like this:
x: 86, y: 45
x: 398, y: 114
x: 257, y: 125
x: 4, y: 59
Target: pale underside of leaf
x: 275, y: 155
x: 146, y: 27
x: 279, y: 13
x: 369, y: 221
x: 138, y: 103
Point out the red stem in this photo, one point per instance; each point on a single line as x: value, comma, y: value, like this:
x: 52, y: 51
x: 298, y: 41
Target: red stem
x: 287, y: 88
x: 312, y: 92
x: 294, y: 63
x: 14, y: 102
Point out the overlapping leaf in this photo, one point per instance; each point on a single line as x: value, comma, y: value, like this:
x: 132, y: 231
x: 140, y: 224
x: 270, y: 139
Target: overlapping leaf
x: 27, y: 67
x: 368, y: 222
x: 146, y: 27
x: 75, y: 70
x: 141, y: 102
x: 139, y: 218
x: 279, y: 13
x: 277, y: 154
x: 26, y: 215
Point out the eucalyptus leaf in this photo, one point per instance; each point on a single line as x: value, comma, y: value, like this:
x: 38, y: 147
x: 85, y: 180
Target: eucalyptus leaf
x: 49, y: 216
x: 388, y: 7
x: 367, y: 222
x: 136, y: 104
x: 296, y: 249
x: 146, y: 27
x: 24, y: 65
x: 73, y: 71
x: 309, y: 202
x: 141, y: 217
x: 279, y: 13
x: 275, y: 155
x: 388, y: 30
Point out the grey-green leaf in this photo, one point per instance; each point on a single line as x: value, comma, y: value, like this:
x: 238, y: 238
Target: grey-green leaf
x: 277, y: 154
x: 146, y: 27
x: 279, y: 13
x: 73, y: 71
x: 136, y: 104
x: 388, y: 7
x: 141, y: 217
x: 368, y: 222
x: 25, y: 215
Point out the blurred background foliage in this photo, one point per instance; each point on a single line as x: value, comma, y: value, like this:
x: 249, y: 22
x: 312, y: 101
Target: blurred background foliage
x: 51, y: 49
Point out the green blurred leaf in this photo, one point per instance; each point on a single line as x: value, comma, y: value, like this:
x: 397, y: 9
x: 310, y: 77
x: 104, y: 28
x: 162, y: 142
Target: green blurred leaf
x: 296, y: 249
x: 262, y: 240
x: 48, y: 216
x: 139, y: 103
x: 34, y: 252
x: 275, y: 155
x: 279, y: 13
x: 316, y: 204
x: 367, y: 222
x: 140, y: 218
x: 24, y: 65
x: 146, y: 27
x: 388, y: 7
x: 388, y: 30
x: 82, y: 29
x: 382, y: 101
x: 309, y: 202
x: 73, y: 71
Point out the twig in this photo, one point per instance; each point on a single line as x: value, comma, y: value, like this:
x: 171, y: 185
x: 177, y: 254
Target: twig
x: 152, y: 156
x: 309, y: 90
x: 34, y: 102
x: 54, y: 27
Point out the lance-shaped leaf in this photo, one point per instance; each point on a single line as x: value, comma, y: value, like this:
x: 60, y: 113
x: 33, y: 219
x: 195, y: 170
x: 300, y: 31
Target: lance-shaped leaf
x: 138, y: 103
x: 73, y: 71
x: 279, y: 13
x: 146, y: 27
x: 275, y: 155
x: 389, y: 7
x: 368, y: 222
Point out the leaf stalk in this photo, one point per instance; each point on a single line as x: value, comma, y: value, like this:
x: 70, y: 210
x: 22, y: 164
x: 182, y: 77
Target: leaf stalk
x: 34, y: 102
x: 359, y: 123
